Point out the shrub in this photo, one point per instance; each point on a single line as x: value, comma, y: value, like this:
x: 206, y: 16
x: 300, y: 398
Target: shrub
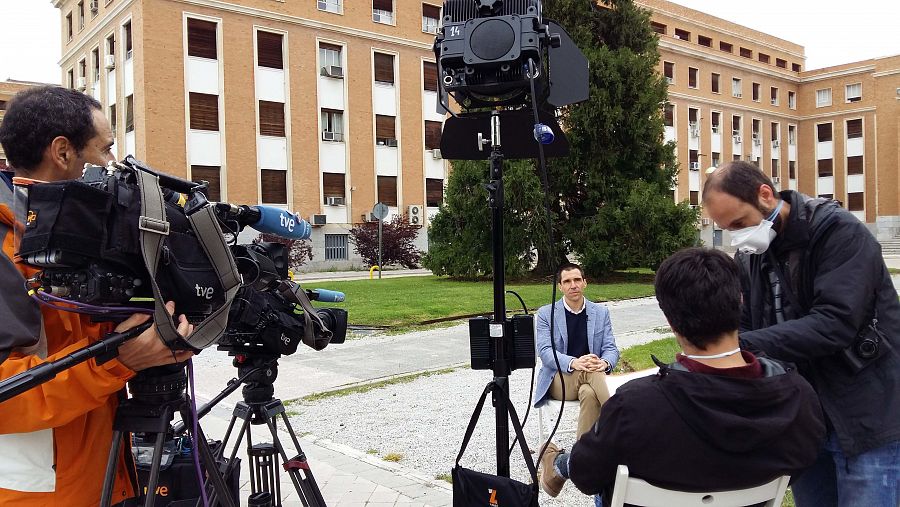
x: 397, y: 237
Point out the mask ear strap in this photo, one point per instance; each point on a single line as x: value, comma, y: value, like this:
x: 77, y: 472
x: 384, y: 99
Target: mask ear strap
x: 775, y: 213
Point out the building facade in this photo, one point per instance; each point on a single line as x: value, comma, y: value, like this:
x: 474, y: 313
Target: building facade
x: 736, y: 93
x: 325, y: 107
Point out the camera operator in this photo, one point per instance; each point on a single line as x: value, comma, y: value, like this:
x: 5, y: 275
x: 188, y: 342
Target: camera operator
x: 56, y: 437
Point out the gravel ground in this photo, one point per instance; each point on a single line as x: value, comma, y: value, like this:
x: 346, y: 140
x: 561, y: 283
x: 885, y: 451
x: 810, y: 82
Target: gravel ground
x: 424, y: 421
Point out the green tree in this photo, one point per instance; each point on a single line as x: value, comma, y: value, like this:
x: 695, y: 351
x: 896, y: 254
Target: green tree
x: 460, y: 235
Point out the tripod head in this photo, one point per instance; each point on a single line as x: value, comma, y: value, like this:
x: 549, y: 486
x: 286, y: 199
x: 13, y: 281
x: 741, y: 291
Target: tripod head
x: 261, y: 370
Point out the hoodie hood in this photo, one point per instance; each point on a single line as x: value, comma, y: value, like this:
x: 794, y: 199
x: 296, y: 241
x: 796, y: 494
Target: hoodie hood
x: 706, y: 403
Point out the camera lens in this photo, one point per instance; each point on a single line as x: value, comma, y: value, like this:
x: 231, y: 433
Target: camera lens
x: 867, y: 348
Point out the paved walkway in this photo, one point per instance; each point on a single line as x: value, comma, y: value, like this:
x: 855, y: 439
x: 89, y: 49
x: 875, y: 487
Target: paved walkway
x: 350, y: 477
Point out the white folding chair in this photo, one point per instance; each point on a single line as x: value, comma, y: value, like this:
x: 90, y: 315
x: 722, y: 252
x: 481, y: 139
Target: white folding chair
x: 628, y: 490
x: 547, y: 415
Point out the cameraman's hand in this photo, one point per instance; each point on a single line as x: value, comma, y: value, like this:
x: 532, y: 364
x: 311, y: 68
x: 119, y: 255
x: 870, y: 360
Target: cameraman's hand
x: 148, y: 348
x: 587, y: 362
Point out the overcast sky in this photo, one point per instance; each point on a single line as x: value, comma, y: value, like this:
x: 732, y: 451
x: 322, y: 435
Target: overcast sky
x: 832, y: 31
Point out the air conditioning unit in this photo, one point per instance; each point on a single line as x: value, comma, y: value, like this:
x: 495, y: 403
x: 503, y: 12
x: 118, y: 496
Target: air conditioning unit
x: 776, y: 143
x: 391, y: 142
x: 81, y: 83
x: 318, y: 220
x: 737, y: 139
x: 95, y: 6
x: 756, y: 140
x: 415, y: 214
x: 327, y: 136
x: 334, y: 201
x: 436, y: 153
x: 738, y: 95
x: 774, y: 102
x: 776, y: 180
x: 670, y: 80
x: 715, y: 129
x: 705, y: 221
x: 694, y: 166
x: 110, y: 61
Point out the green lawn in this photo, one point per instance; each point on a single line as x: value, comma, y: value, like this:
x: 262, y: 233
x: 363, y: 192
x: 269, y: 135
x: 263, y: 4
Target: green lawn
x: 638, y: 357
x: 414, y: 300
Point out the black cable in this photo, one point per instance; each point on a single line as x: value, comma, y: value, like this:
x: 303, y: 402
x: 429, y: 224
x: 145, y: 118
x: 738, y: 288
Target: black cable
x: 531, y: 389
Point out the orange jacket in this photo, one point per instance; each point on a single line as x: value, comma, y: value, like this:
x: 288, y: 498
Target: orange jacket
x: 77, y: 407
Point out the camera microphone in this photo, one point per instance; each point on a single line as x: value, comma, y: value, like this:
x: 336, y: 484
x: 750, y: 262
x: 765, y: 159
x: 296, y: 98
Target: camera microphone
x: 268, y: 219
x: 325, y: 295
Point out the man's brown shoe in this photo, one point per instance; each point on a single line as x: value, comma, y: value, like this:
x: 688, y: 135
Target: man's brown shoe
x: 551, y: 482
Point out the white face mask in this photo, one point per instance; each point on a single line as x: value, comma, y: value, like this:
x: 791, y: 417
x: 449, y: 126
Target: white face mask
x: 756, y: 238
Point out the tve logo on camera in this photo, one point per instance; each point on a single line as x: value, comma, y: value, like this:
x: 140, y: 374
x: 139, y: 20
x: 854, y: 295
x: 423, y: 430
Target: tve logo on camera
x: 204, y: 292
x: 288, y: 222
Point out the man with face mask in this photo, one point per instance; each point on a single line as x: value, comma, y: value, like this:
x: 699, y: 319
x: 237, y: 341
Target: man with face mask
x: 816, y: 292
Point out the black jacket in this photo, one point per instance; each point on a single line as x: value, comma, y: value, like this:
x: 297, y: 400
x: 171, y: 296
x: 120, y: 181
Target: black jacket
x: 835, y: 269
x: 701, y: 432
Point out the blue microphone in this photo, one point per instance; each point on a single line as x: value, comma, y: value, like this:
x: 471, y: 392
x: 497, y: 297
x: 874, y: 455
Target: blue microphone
x: 325, y: 295
x: 280, y: 222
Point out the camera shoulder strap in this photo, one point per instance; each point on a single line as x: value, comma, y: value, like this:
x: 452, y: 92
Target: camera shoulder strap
x: 153, y: 228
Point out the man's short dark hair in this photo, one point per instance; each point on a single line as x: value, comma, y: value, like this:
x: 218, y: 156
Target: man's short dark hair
x: 34, y: 117
x: 739, y: 179
x: 566, y: 267
x: 699, y: 291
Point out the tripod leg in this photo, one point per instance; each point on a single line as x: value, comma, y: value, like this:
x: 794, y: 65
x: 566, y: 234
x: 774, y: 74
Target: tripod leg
x: 213, y: 471
x: 157, y: 461
x: 305, y: 485
x: 109, y: 480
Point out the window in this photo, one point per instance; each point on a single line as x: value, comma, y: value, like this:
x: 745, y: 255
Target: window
x: 384, y: 68
x: 826, y: 167
x: 431, y: 16
x: 854, y: 128
x: 755, y: 127
x: 774, y: 167
x: 271, y: 118
x: 669, y: 71
x: 781, y: 63
x: 726, y: 47
x: 333, y: 186
x: 201, y: 38
x: 716, y: 158
x: 81, y: 15
x: 113, y: 120
x: 126, y: 28
x: 776, y: 135
x: 736, y: 156
x: 336, y: 247
x: 682, y: 34
x: 736, y: 88
x: 823, y: 97
x: 704, y: 41
x: 383, y: 11
x: 715, y: 82
x: 658, y: 27
x: 434, y: 192
x: 746, y: 53
x: 755, y: 92
x: 792, y: 100
x: 332, y: 125
x: 82, y: 72
x: 856, y: 201
x: 429, y: 76
x: 764, y: 58
x: 773, y: 96
x: 384, y: 130
x: 204, y: 111
x: 330, y: 60
x: 69, y: 28
x: 736, y: 129
x: 330, y: 6
x: 432, y: 135
x: 823, y: 132
x: 269, y: 52
x: 212, y: 175
x: 129, y: 114
x: 792, y: 169
x: 670, y: 115
x: 855, y: 165
x: 273, y: 186
x: 853, y: 92
x: 387, y: 190
x: 716, y: 122
x: 95, y: 65
x: 792, y: 135
x: 111, y: 45
x: 795, y: 67
x: 695, y: 197
x: 693, y: 76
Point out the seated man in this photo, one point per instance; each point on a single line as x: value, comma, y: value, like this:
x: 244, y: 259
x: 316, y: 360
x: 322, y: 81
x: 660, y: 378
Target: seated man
x: 716, y: 419
x: 585, y: 346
